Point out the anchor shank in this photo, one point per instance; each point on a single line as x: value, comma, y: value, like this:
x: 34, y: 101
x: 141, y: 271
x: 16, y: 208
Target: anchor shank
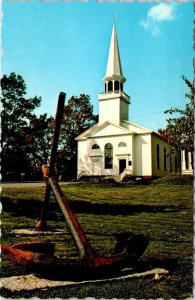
x: 73, y: 225
x: 41, y: 225
x: 58, y: 122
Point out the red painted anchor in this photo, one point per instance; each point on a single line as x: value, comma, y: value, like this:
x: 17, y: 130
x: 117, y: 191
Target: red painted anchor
x: 39, y: 256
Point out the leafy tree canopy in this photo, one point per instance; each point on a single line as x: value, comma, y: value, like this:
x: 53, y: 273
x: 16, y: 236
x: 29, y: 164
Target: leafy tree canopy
x: 78, y: 117
x: 26, y: 138
x: 180, y: 129
x: 16, y: 115
x: 38, y: 139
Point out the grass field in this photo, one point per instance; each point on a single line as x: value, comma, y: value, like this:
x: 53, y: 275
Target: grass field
x: 162, y: 210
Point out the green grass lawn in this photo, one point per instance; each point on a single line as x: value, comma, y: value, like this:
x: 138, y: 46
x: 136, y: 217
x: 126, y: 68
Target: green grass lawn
x: 162, y: 210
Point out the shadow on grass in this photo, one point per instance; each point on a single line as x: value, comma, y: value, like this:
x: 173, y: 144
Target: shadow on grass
x: 81, y: 273
x: 105, y: 273
x: 32, y: 208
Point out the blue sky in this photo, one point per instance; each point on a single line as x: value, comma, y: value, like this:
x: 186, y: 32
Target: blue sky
x: 63, y: 46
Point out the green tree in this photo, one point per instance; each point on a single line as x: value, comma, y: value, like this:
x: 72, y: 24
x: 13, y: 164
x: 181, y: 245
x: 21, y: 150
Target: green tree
x: 15, y: 118
x: 180, y: 129
x: 38, y: 142
x: 78, y: 117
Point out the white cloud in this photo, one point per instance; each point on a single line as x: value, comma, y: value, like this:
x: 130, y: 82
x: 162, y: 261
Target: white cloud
x: 151, y: 27
x: 161, y: 12
x: 156, y: 15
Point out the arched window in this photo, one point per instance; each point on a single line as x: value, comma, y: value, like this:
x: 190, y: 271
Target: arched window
x: 95, y: 146
x: 110, y: 86
x: 165, y: 159
x: 108, y: 156
x: 157, y: 157
x: 122, y: 144
x: 116, y: 85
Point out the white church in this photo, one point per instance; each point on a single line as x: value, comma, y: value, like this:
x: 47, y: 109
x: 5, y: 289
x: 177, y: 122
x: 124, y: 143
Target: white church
x: 115, y: 146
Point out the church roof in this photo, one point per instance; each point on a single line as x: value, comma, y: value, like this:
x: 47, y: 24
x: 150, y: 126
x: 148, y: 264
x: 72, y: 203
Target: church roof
x: 111, y: 129
x: 135, y: 127
x: 114, y: 68
x: 104, y: 129
x: 108, y: 129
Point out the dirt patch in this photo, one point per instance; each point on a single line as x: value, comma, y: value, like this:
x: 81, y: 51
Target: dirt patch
x: 31, y: 282
x: 31, y: 232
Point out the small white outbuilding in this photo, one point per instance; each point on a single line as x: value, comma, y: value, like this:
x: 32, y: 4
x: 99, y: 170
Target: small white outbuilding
x: 114, y: 146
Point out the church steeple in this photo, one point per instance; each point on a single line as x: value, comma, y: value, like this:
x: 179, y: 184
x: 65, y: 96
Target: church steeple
x: 113, y: 103
x: 114, y: 78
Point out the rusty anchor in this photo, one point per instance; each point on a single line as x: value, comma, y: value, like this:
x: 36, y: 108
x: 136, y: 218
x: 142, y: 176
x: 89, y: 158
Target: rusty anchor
x: 39, y: 256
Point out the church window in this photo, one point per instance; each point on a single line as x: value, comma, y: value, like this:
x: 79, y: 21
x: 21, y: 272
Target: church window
x: 171, y: 164
x: 158, y: 157
x: 116, y: 85
x: 186, y: 159
x: 110, y: 86
x: 108, y: 156
x: 95, y: 146
x: 122, y: 144
x: 175, y: 164
x: 192, y: 158
x: 165, y: 159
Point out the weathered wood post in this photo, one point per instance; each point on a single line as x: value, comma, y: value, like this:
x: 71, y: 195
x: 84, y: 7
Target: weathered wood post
x: 41, y: 225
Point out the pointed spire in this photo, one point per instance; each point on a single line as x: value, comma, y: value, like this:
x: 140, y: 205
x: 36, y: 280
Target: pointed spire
x: 114, y: 19
x: 114, y: 69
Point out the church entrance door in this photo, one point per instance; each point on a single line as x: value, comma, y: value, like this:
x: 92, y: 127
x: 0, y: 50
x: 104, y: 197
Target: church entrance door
x: 122, y: 165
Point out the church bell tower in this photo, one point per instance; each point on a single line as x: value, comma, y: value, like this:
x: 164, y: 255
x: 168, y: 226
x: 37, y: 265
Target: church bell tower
x: 113, y: 103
